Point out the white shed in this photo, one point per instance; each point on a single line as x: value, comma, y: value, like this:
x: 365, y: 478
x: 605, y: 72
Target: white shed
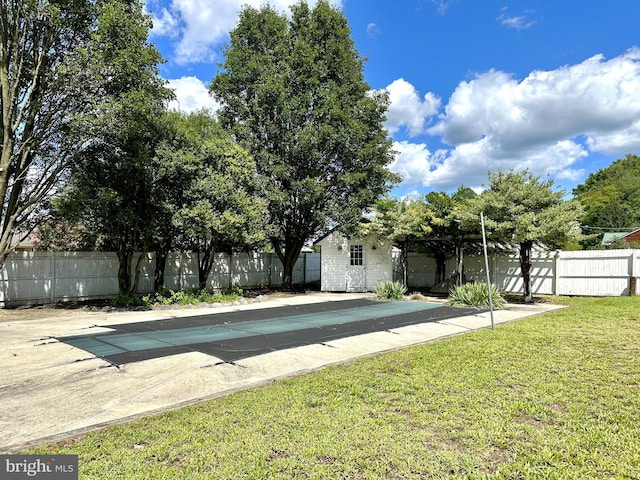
x: 353, y: 265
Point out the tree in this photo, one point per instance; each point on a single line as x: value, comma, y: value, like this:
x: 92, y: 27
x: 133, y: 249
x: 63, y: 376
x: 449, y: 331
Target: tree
x: 431, y: 222
x: 58, y: 234
x: 293, y: 93
x: 447, y: 233
x: 110, y: 191
x: 172, y: 175
x: 611, y: 196
x: 43, y: 90
x: 209, y: 191
x: 403, y: 222
x: 522, y: 209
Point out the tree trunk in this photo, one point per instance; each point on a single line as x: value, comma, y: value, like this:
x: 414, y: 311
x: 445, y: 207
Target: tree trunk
x: 136, y: 278
x: 460, y: 268
x: 162, y: 253
x: 404, y: 254
x: 288, y: 257
x: 124, y: 270
x: 525, y: 268
x: 205, y: 264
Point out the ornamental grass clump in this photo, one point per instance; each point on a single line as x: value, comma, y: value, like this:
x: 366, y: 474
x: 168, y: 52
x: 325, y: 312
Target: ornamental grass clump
x: 390, y: 291
x: 475, y: 295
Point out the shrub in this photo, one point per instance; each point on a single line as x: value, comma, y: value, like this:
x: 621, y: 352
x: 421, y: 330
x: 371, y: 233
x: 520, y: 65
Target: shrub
x: 475, y: 295
x: 390, y: 291
x: 191, y: 296
x: 127, y: 301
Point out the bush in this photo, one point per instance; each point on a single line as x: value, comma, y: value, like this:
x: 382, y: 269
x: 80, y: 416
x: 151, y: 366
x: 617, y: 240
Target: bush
x: 127, y: 301
x: 191, y: 296
x: 390, y: 291
x: 475, y: 295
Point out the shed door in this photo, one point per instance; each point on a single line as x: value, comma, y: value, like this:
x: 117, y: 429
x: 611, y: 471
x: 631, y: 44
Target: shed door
x: 356, y: 279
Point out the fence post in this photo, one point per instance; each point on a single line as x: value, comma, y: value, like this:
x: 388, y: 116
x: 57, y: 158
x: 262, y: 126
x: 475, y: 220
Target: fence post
x: 554, y: 287
x: 632, y: 277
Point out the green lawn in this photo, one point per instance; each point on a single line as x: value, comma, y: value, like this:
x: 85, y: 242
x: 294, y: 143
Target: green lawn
x: 555, y: 396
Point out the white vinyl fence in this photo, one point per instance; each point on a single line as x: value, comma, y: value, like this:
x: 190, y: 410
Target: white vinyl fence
x: 48, y: 277
x: 585, y: 273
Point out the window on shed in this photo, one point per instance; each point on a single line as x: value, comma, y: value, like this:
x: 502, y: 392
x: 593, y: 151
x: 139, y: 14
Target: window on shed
x: 355, y: 255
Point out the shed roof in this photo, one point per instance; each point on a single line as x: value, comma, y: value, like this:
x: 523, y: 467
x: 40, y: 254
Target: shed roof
x: 610, y: 237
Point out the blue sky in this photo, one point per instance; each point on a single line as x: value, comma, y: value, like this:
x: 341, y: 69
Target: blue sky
x: 475, y: 85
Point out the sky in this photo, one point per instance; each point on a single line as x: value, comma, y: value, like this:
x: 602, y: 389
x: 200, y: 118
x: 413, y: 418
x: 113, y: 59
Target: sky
x: 474, y: 85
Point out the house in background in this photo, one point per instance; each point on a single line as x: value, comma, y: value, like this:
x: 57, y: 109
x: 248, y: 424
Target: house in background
x: 22, y: 242
x: 629, y: 237
x: 353, y: 265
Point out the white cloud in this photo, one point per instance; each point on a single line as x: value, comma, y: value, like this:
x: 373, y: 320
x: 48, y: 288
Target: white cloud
x: 441, y: 6
x: 411, y: 162
x: 571, y: 174
x: 191, y: 94
x: 407, y: 109
x: 498, y: 122
x: 597, y: 98
x: 515, y: 22
x: 164, y: 24
x: 468, y: 163
x: 373, y: 30
x: 201, y: 26
x: 412, y: 195
x: 617, y: 142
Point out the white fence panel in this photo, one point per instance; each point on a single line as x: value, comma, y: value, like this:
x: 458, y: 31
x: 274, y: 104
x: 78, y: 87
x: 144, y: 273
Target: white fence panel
x: 147, y: 272
x: 299, y: 270
x: 181, y: 271
x: 587, y: 273
x: 220, y: 275
x: 595, y: 273
x: 28, y: 276
x: 251, y: 269
x: 474, y: 269
x: 313, y: 268
x: 421, y: 270
x: 635, y: 272
x: 83, y: 275
x: 507, y: 274
x: 44, y: 277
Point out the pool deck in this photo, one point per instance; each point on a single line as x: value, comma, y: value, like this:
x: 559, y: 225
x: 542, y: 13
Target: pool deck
x: 51, y: 390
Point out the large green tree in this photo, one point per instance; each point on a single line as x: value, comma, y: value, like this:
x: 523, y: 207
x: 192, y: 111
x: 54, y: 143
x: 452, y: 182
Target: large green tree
x: 523, y: 209
x: 293, y: 93
x: 611, y: 196
x: 111, y: 190
x: 44, y: 87
x: 208, y: 191
x: 403, y: 222
x: 447, y: 233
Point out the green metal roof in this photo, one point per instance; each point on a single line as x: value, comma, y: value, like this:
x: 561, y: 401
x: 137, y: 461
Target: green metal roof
x: 611, y: 237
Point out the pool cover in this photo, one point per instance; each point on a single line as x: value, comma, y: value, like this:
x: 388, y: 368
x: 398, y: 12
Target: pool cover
x: 235, y: 335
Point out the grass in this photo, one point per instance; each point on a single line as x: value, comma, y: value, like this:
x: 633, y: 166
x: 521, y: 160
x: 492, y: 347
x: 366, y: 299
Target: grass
x: 555, y: 396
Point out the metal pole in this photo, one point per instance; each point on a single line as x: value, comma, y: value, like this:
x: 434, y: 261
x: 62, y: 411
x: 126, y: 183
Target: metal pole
x: 486, y: 267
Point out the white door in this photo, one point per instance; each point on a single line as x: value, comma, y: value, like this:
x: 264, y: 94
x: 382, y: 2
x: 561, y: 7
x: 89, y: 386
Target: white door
x: 356, y: 278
